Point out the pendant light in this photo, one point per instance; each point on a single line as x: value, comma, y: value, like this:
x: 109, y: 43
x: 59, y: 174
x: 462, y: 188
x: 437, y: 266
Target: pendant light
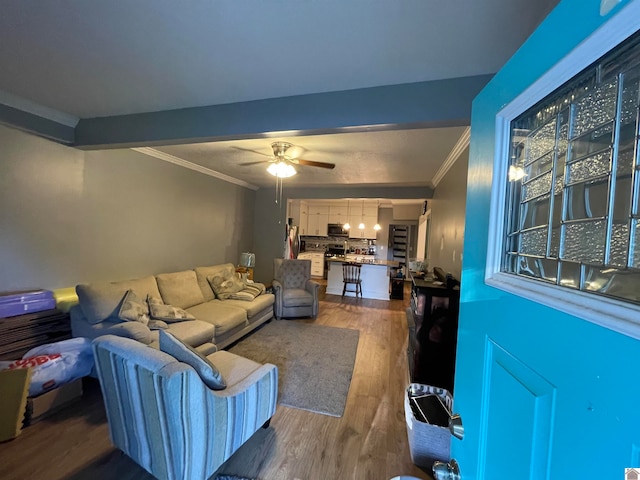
x: 377, y: 226
x: 346, y: 226
x: 361, y: 226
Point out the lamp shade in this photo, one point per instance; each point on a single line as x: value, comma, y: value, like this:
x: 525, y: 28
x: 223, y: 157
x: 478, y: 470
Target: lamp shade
x: 247, y: 260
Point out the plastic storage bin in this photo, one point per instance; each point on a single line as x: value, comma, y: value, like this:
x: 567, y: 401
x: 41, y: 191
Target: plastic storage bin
x: 427, y: 442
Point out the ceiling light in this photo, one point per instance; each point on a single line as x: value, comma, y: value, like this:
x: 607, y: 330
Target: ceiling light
x: 377, y: 226
x: 281, y: 169
x: 346, y: 226
x: 516, y: 173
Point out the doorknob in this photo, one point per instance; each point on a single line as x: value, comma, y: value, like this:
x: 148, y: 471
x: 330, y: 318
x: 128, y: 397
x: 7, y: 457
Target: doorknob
x: 446, y: 471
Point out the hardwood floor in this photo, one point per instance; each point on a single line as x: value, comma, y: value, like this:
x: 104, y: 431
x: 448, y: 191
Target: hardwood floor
x: 368, y: 442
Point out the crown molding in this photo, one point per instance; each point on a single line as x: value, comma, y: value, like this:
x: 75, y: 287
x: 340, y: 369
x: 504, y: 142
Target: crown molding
x: 456, y: 152
x: 38, y: 110
x: 152, y: 152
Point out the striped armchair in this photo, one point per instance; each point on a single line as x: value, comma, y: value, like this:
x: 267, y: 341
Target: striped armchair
x: 167, y: 420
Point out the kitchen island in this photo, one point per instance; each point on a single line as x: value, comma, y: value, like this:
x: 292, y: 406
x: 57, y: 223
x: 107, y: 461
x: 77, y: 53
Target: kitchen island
x: 374, y: 275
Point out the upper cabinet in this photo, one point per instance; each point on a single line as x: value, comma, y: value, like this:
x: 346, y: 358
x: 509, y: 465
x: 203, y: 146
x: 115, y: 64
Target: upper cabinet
x: 312, y: 217
x: 317, y: 220
x: 338, y: 214
x: 366, y: 213
x: 303, y: 220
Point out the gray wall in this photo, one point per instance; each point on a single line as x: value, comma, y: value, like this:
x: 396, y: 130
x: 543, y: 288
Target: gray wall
x: 68, y: 216
x: 447, y: 218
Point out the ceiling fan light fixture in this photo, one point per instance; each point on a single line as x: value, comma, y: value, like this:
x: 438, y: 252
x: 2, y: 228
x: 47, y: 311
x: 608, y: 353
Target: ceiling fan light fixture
x: 281, y: 169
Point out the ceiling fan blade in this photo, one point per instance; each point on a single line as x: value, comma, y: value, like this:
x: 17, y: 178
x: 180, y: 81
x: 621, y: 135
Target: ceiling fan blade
x: 246, y: 164
x: 311, y: 163
x: 252, y: 151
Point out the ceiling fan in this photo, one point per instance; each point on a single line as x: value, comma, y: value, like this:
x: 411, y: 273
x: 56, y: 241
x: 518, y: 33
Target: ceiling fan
x: 283, y: 161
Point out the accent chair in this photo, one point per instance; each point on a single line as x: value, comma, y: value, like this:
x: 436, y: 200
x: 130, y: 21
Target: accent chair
x: 163, y: 416
x: 296, y: 294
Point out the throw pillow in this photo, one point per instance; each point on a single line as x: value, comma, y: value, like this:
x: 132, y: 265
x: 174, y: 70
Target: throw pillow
x: 224, y: 287
x: 132, y: 309
x: 249, y: 292
x: 168, y: 313
x: 182, y: 352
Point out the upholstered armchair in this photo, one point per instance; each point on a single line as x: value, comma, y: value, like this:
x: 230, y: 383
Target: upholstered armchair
x: 163, y: 416
x: 296, y: 294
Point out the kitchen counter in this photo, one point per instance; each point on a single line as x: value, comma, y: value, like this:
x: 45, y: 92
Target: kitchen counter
x: 381, y: 263
x: 374, y: 275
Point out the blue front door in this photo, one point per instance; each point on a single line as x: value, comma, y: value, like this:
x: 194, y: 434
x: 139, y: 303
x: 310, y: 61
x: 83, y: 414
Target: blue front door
x: 542, y: 394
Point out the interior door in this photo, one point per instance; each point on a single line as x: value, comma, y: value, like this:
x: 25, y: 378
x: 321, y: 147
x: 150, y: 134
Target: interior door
x: 542, y: 394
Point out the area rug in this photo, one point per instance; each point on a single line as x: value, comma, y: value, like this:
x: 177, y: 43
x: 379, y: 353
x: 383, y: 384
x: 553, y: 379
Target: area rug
x: 315, y: 363
x: 230, y: 477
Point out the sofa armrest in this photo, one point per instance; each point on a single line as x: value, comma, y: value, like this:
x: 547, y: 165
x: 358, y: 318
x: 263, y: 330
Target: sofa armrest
x: 266, y: 373
x: 312, y: 287
x: 80, y: 327
x: 276, y: 286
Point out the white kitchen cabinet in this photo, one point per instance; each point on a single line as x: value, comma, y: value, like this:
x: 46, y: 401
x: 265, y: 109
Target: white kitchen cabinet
x: 317, y: 262
x: 367, y: 232
x: 367, y: 213
x: 371, y: 211
x: 317, y: 220
x: 338, y: 214
x: 368, y: 220
x: 303, y: 222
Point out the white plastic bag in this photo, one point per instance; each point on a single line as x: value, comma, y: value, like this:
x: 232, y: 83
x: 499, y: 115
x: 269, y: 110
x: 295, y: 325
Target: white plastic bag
x: 55, y: 364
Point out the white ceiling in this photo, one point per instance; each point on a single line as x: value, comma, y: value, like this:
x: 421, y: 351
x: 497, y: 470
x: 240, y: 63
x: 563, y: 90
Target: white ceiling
x: 74, y: 59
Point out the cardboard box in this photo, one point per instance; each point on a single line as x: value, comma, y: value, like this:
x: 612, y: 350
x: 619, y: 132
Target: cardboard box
x: 43, y: 405
x: 427, y: 443
x: 14, y: 386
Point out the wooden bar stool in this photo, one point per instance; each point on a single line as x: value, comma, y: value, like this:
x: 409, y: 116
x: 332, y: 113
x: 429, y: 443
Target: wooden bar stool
x: 351, y: 275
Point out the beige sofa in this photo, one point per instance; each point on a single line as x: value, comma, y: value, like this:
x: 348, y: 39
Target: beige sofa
x: 218, y: 322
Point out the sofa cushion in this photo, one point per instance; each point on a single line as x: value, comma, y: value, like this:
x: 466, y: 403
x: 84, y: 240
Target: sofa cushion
x: 193, y: 332
x: 160, y: 311
x: 224, y: 270
x: 224, y: 317
x: 101, y: 300
x: 133, y: 309
x: 257, y: 306
x: 296, y: 297
x: 183, y: 352
x: 180, y: 289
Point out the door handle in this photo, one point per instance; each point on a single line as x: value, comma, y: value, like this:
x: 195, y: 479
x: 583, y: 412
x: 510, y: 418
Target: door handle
x: 446, y: 471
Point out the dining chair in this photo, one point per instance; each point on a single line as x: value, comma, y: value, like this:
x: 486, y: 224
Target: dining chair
x: 351, y: 276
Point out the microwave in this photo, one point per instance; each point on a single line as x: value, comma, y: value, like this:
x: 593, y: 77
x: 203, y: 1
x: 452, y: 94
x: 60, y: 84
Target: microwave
x: 336, y: 230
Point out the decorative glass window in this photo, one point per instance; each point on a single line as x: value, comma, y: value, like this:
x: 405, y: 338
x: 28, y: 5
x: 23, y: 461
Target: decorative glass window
x: 573, y: 191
